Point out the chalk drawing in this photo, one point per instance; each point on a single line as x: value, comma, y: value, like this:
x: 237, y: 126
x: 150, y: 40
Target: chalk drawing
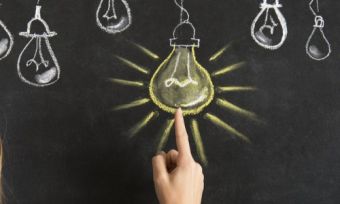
x: 37, y: 64
x: 172, y: 80
x: 181, y: 81
x: 269, y: 28
x: 6, y: 41
x: 318, y: 46
x: 113, y: 16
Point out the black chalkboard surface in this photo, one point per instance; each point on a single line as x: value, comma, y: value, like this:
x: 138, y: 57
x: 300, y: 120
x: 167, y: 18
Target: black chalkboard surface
x: 65, y: 144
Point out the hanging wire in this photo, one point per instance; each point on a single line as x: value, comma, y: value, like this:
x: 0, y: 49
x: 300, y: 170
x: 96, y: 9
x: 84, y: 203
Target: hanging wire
x: 183, y: 11
x: 317, y: 7
x: 184, y: 20
x: 181, y: 15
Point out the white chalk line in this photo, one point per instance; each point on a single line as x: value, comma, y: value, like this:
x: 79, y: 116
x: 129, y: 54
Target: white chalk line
x: 53, y: 73
x: 117, y: 28
x: 265, y: 6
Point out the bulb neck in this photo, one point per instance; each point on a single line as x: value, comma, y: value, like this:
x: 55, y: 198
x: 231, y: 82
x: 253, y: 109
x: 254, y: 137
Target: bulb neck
x: 266, y: 5
x: 319, y: 22
x: 37, y: 12
x: 44, y: 30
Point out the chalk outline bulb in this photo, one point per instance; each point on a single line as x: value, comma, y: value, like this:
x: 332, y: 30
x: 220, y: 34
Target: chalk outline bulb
x: 111, y: 4
x: 11, y: 40
x: 265, y: 6
x: 193, y: 99
x: 38, y: 38
x: 319, y: 24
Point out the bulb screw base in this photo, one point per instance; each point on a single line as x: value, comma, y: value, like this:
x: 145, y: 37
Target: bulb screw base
x: 176, y: 42
x: 39, y: 22
x: 319, y: 22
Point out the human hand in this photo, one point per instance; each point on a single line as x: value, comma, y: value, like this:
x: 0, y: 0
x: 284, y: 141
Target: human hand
x: 178, y: 178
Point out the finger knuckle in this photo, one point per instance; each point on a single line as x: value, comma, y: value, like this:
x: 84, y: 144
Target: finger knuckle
x: 156, y: 158
x: 192, y: 164
x: 160, y: 178
x: 172, y: 151
x: 199, y: 167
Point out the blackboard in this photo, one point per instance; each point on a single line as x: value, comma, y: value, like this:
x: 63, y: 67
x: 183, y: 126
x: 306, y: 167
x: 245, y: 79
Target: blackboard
x: 63, y: 144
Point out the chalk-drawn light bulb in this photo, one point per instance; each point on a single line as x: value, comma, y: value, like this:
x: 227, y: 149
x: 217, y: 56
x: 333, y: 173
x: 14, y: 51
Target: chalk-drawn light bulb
x: 6, y: 41
x: 37, y: 64
x: 269, y: 28
x: 180, y: 81
x: 113, y: 16
x: 317, y: 46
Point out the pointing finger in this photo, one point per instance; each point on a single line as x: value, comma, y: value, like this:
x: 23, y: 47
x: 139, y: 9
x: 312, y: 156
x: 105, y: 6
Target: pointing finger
x: 182, y: 139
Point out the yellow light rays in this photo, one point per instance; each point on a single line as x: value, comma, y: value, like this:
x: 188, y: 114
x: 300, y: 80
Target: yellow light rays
x: 231, y: 107
x: 165, y: 132
x: 166, y: 129
x: 146, y: 51
x: 228, y: 69
x: 220, y: 123
x: 133, y: 65
x: 141, y: 124
x: 198, y: 141
x: 220, y: 52
x: 133, y: 104
x: 126, y: 82
x: 224, y: 89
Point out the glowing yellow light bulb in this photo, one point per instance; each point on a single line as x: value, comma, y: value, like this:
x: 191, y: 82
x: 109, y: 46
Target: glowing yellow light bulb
x: 180, y: 81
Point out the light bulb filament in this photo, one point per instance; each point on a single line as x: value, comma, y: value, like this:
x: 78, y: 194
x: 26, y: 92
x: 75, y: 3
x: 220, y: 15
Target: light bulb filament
x: 38, y: 53
x: 172, y: 80
x: 111, y: 11
x: 266, y: 26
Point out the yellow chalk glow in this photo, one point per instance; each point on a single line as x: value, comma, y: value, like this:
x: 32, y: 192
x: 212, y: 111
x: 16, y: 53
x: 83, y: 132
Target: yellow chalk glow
x: 180, y: 81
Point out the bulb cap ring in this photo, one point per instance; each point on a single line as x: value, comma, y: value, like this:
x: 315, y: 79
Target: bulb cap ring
x: 176, y: 42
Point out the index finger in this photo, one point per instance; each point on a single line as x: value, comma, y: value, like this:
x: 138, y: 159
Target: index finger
x: 182, y: 139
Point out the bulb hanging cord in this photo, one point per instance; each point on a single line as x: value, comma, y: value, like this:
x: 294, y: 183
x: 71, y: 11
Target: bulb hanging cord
x: 319, y: 22
x: 317, y: 7
x: 181, y: 14
x: 183, y: 25
x: 183, y: 11
x: 38, y: 2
